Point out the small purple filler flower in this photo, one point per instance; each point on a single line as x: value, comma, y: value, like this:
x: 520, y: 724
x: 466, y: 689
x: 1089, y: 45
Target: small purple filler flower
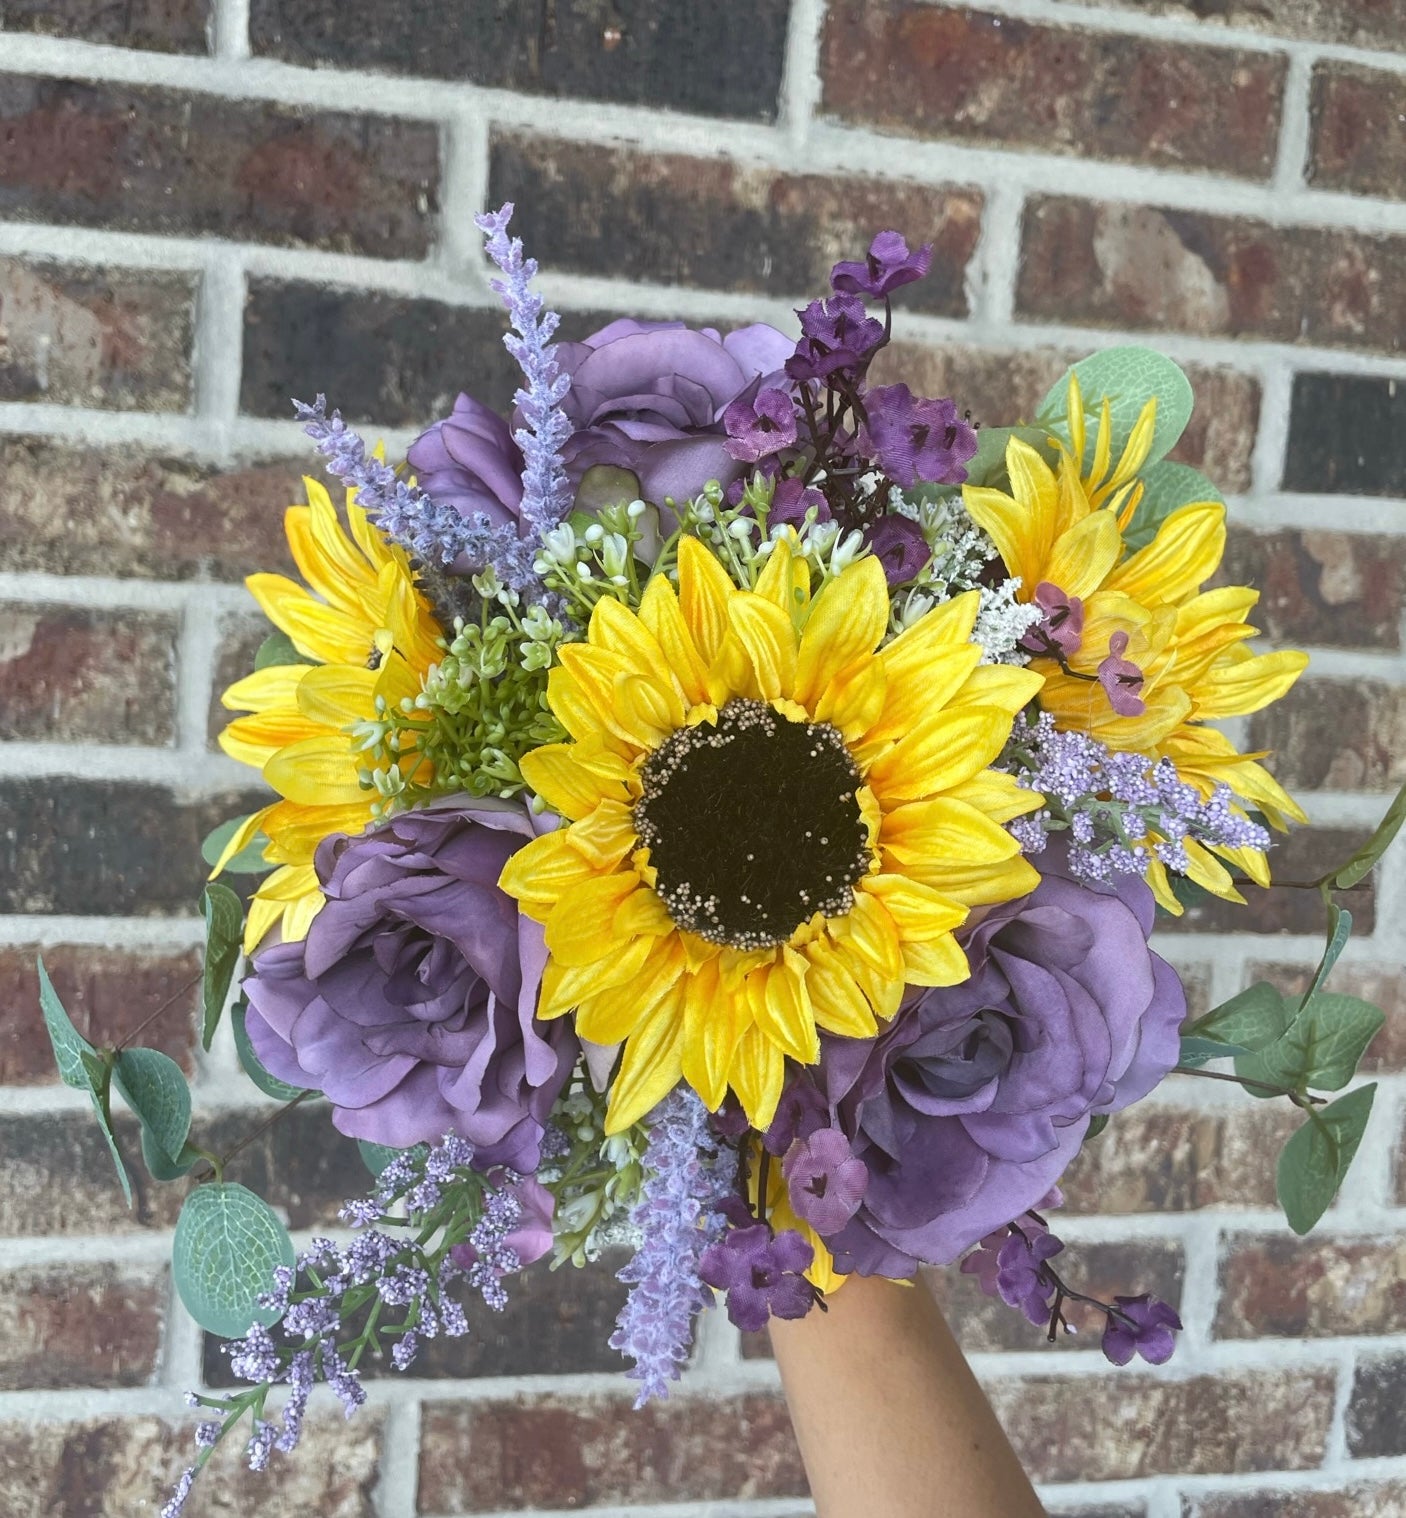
x: 825, y: 1181
x: 912, y: 439
x: 888, y: 265
x: 899, y: 545
x: 760, y: 426
x: 1141, y: 1326
x: 762, y: 1274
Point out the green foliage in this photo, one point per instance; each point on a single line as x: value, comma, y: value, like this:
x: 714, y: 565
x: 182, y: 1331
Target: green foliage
x: 1254, y: 1018
x: 1196, y: 1052
x: 1166, y: 486
x: 270, y: 1085
x: 1129, y: 377
x: 1320, y: 1048
x: 81, y: 1067
x: 154, y: 1088
x: 248, y: 861
x: 1362, y: 862
x: 1097, y: 1124
x: 278, y: 648
x: 1316, y: 1158
x: 377, y: 1156
x: 989, y: 465
x: 1339, y: 931
x: 224, y: 926
x: 227, y: 1245
x: 161, y: 1166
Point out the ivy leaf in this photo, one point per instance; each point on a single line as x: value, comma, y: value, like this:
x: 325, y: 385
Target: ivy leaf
x: 270, y: 1085
x: 1362, y: 862
x: 154, y: 1088
x: 278, y: 648
x: 1166, y: 486
x: 1320, y: 1048
x: 227, y: 1245
x: 81, y: 1068
x: 1252, y: 1019
x: 1316, y: 1158
x: 224, y: 925
x: 1129, y: 377
x: 1339, y: 931
x: 248, y: 861
x: 1196, y: 1051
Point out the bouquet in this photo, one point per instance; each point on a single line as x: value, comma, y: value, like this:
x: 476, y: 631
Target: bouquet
x: 722, y: 811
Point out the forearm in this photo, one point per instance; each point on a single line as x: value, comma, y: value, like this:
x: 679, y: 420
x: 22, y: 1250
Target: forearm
x: 890, y: 1420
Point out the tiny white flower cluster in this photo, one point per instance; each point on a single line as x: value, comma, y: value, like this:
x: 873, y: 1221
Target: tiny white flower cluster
x: 596, y: 1184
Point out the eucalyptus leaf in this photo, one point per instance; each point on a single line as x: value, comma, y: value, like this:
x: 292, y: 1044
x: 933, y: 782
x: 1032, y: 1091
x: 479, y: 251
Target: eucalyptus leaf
x: 224, y: 926
x: 1320, y: 1049
x: 1252, y: 1019
x: 248, y: 861
x: 1196, y: 1051
x: 1362, y: 862
x: 154, y: 1087
x: 270, y: 1085
x: 227, y: 1246
x: 81, y: 1067
x: 161, y: 1166
x: 1166, y: 488
x: 1339, y: 931
x: 278, y: 648
x: 988, y: 467
x: 1316, y: 1158
x: 1129, y: 377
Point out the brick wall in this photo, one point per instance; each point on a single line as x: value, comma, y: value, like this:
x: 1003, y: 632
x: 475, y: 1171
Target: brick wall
x: 209, y: 205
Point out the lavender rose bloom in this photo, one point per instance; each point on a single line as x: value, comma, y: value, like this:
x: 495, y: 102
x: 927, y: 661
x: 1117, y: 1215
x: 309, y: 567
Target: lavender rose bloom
x: 650, y: 396
x: 970, y: 1105
x: 469, y: 461
x: 411, y: 1003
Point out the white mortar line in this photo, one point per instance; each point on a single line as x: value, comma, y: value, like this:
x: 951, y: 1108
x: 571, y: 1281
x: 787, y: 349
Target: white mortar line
x: 182, y: 1345
x: 463, y: 193
x: 138, y: 934
x: 198, y: 652
x: 145, y: 1250
x: 1320, y: 513
x: 134, y: 766
x: 758, y: 1507
x: 101, y: 593
x: 1272, y: 440
x: 801, y: 85
x: 1291, y: 161
x: 995, y: 266
x: 229, y: 29
x: 398, y: 1470
x: 1200, y: 1293
x: 219, y: 344
x: 717, y: 1348
x: 1336, y: 1456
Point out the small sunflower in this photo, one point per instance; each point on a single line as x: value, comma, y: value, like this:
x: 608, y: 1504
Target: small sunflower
x: 770, y: 823
x: 375, y: 638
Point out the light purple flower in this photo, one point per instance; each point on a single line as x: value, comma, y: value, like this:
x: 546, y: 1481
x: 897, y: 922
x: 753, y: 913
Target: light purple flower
x: 825, y: 1181
x: 897, y: 542
x: 1141, y: 1326
x: 470, y: 462
x: 1063, y: 624
x: 1121, y: 679
x: 913, y: 439
x: 530, y: 1236
x: 761, y: 425
x: 762, y: 1274
x: 1021, y: 1281
x: 887, y: 265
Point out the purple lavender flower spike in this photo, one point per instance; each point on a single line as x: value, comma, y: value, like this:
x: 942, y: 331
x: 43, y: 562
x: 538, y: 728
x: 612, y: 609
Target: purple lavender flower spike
x: 887, y: 265
x: 825, y: 1181
x: 176, y: 1506
x: 899, y: 545
x: 912, y: 439
x: 1141, y: 1326
x: 760, y: 426
x: 762, y: 1274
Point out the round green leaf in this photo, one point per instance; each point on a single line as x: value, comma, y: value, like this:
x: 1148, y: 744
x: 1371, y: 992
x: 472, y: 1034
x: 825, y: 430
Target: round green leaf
x: 224, y: 929
x: 227, y: 1246
x: 248, y: 861
x: 160, y: 1165
x: 278, y: 648
x: 154, y: 1087
x: 1129, y: 377
x: 270, y: 1085
x: 1166, y: 487
x: 1316, y: 1158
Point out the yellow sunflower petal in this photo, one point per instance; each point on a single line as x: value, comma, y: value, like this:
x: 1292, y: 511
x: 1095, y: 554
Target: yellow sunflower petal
x: 838, y: 1003
x: 713, y: 1026
x: 275, y: 685
x: 650, y: 1066
x: 325, y: 633
x: 758, y: 1074
x: 1083, y: 556
x: 1242, y: 682
x: 1182, y: 556
x: 320, y: 771
x: 704, y: 593
x: 257, y: 738
x: 661, y: 614
x: 581, y: 927
x: 539, y: 872
x: 337, y: 694
x: 780, y: 1006
x: 769, y: 639
x: 785, y: 581
x: 942, y: 750
x: 557, y: 775
x: 240, y: 839
x: 615, y: 1012
x: 846, y: 621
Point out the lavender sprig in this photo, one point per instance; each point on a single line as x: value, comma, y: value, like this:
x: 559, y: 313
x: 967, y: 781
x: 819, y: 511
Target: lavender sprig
x: 546, y: 491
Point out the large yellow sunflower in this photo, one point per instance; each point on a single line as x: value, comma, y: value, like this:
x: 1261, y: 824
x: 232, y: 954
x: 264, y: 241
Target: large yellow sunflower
x: 770, y: 825
x: 375, y: 638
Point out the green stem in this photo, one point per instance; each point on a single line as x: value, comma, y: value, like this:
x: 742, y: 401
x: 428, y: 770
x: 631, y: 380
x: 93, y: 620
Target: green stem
x: 1299, y: 1098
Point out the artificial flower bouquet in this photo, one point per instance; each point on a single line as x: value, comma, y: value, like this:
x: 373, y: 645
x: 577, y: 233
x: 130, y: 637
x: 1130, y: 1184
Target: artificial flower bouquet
x: 721, y: 812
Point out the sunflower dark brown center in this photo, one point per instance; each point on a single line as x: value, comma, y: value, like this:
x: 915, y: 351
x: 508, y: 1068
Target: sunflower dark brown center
x: 753, y: 824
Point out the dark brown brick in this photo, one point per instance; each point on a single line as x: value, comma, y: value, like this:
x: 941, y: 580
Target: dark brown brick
x: 712, y: 223
x: 80, y: 1325
x: 1382, y: 985
x: 1347, y: 435
x: 1160, y: 269
x: 113, y: 1468
x: 1002, y: 385
x: 1311, y: 1288
x: 1358, y: 138
x: 94, y: 337
x: 105, y: 848
x: 1359, y: 23
x: 1374, y: 1422
x: 68, y: 674
x: 1334, y: 589
x: 150, y: 160
x: 926, y: 71
x: 107, y: 992
x: 76, y: 510
x: 1360, y: 1500
x: 240, y: 637
x: 1155, y: 1158
x: 683, y: 58
x: 1336, y: 736
x: 1303, y: 854
x: 161, y: 26
x: 557, y: 1451
x: 1108, y: 1427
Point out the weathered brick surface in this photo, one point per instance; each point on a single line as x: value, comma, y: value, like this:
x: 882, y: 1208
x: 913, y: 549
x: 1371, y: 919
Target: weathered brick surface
x: 107, y: 992
x: 632, y: 52
x: 120, y: 511
x: 1359, y: 23
x: 1166, y: 1159
x: 932, y: 72
x: 104, y: 848
x: 1382, y: 985
x: 557, y: 1451
x: 1374, y: 1422
x: 165, y: 26
x: 1384, y: 1499
x: 68, y: 674
x: 1155, y: 269
x: 1328, y: 735
x: 153, y: 160
x: 94, y: 337
x: 1347, y: 434
x: 1358, y: 139
x: 1333, y: 589
x: 80, y: 1325
x: 713, y: 223
x: 1311, y: 1288
x: 241, y: 633
x: 114, y: 1468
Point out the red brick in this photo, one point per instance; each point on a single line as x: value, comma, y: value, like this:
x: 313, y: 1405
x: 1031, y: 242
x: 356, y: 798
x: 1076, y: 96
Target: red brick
x: 1155, y: 1158
x: 926, y: 71
x: 1382, y: 985
x: 1385, y: 1499
x: 114, y: 1468
x: 717, y: 224
x: 1335, y: 589
x: 150, y: 160
x: 1123, y: 1426
x: 1160, y: 269
x: 163, y: 26
x: 1314, y: 1288
x: 1358, y: 140
x: 1002, y: 385
x: 94, y: 337
x: 558, y: 1451
x: 1360, y: 23
x: 107, y: 992
x: 80, y: 1325
x: 70, y: 675
x: 1336, y: 736
x: 75, y: 510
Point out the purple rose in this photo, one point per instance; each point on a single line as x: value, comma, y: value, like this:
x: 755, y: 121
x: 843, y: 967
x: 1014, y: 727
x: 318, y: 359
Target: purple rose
x: 970, y: 1105
x: 411, y: 1004
x: 650, y: 397
x: 469, y: 461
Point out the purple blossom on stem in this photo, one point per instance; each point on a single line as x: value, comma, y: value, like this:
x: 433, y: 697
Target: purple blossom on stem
x: 1143, y: 1326
x: 836, y: 334
x: 1062, y: 626
x: 913, y: 439
x: 762, y: 1273
x: 899, y: 545
x: 887, y: 265
x: 824, y: 1179
x: 792, y: 499
x: 1121, y: 679
x: 761, y: 426
x: 683, y: 1183
x: 546, y: 491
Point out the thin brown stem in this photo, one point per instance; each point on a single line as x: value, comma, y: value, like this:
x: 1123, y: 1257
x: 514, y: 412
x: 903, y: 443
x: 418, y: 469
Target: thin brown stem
x: 257, y: 1133
x: 147, y: 1021
x: 1299, y: 1098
